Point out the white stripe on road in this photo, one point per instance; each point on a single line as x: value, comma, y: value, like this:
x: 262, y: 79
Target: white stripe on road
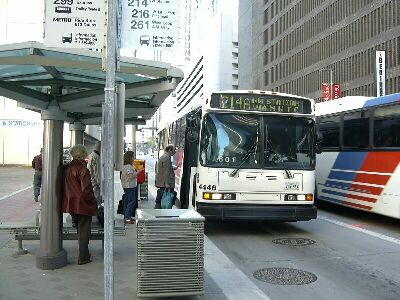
x: 369, y: 232
x: 16, y: 192
x: 227, y: 276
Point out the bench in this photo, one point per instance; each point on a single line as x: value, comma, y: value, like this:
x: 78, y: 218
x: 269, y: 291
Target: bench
x: 26, y: 231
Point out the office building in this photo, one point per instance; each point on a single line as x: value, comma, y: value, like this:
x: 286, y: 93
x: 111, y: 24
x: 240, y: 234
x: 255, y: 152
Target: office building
x: 295, y: 46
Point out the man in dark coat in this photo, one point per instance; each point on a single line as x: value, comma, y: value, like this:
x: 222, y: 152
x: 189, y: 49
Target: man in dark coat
x: 37, y: 177
x: 165, y: 177
x: 79, y: 200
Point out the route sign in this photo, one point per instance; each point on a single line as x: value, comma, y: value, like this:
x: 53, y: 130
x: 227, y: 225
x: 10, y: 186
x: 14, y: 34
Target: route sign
x: 74, y: 24
x: 150, y: 24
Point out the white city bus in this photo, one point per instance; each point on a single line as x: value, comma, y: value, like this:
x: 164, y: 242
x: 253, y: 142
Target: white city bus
x: 359, y: 163
x: 246, y: 155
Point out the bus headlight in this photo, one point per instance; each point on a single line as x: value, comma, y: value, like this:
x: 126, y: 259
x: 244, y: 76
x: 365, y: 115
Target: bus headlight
x: 219, y: 196
x: 290, y: 197
x: 294, y: 197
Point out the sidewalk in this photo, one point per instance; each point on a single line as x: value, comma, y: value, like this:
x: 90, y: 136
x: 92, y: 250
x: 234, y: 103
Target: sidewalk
x: 20, y: 279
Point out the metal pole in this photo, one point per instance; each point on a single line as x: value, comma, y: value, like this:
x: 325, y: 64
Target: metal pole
x: 51, y: 255
x: 119, y: 128
x: 108, y: 143
x: 134, y: 127
x: 77, y: 133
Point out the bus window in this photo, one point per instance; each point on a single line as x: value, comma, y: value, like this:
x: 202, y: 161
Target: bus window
x: 356, y: 130
x: 180, y: 133
x: 387, y: 126
x: 230, y: 141
x: 329, y: 127
x: 288, y: 143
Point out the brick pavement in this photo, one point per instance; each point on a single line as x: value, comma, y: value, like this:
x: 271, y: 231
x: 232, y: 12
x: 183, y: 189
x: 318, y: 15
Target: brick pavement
x: 19, y: 207
x: 20, y: 279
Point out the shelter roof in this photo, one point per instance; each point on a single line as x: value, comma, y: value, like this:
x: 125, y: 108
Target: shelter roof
x: 34, y: 75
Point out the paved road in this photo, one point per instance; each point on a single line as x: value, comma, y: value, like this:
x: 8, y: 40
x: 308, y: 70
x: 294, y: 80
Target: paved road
x: 353, y: 255
x: 8, y: 182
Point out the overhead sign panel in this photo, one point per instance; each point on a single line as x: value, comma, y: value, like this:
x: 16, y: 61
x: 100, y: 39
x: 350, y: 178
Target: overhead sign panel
x: 150, y: 24
x: 75, y: 23
x: 261, y: 103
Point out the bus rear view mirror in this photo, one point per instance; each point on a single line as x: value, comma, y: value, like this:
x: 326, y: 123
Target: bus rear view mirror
x: 318, y: 144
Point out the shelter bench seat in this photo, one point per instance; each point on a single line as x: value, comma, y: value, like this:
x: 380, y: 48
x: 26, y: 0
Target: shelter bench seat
x: 26, y: 232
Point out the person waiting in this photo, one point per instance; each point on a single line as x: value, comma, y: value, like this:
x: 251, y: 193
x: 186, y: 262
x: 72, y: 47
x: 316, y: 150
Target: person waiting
x: 37, y: 177
x: 129, y: 184
x: 165, y: 177
x: 79, y: 199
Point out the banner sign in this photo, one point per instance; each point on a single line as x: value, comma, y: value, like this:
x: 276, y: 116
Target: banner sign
x: 75, y: 24
x: 150, y: 24
x: 380, y: 73
x: 19, y: 123
x: 336, y: 91
x: 326, y: 92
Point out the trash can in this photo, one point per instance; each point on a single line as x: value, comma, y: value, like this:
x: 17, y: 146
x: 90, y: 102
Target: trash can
x: 169, y: 252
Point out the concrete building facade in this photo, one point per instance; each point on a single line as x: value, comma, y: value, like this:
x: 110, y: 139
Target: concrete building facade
x: 211, y: 56
x: 294, y: 46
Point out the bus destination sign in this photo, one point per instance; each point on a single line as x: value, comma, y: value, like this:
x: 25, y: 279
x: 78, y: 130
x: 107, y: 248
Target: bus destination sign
x: 261, y: 103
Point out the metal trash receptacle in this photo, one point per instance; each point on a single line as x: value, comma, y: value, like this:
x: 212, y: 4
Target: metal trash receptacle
x: 169, y: 252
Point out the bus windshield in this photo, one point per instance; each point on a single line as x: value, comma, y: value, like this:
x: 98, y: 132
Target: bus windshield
x: 231, y: 140
x: 238, y: 141
x: 288, y: 142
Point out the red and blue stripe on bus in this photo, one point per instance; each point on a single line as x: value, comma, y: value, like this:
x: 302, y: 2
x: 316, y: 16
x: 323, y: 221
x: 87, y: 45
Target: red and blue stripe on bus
x: 347, y: 167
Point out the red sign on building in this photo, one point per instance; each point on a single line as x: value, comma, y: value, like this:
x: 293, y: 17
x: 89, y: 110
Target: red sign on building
x: 326, y: 92
x: 336, y: 91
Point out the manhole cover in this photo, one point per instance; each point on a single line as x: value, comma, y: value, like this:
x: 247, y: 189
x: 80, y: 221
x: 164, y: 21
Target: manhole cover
x: 294, y: 241
x: 284, y: 276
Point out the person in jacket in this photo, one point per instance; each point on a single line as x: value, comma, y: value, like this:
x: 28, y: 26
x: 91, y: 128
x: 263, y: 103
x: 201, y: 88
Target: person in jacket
x: 37, y: 177
x: 94, y: 167
x: 129, y: 184
x: 165, y: 177
x: 79, y: 199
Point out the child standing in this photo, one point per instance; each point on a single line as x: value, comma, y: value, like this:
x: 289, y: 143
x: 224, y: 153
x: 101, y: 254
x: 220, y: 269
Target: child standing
x: 129, y: 184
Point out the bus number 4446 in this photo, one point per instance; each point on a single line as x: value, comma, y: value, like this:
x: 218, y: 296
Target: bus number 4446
x: 207, y: 187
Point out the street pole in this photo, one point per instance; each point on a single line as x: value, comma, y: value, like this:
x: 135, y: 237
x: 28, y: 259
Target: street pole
x: 107, y: 145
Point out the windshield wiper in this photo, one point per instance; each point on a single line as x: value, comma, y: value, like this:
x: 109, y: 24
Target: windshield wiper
x: 280, y: 159
x: 250, y: 151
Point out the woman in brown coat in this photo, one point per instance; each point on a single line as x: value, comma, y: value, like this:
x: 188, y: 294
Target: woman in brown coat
x: 79, y: 200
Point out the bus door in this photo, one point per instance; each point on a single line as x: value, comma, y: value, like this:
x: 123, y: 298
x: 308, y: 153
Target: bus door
x: 191, y: 149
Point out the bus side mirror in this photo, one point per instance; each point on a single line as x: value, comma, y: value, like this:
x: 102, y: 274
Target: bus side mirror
x: 318, y: 144
x: 318, y: 148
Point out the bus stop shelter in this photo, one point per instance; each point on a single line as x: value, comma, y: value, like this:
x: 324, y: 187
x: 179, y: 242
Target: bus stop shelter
x: 68, y: 86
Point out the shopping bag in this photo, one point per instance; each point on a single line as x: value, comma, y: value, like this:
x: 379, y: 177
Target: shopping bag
x: 167, y: 199
x: 120, y: 209
x: 100, y: 214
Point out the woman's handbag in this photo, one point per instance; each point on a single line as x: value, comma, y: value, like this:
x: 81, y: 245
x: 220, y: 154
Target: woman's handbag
x: 167, y: 199
x: 120, y: 209
x: 100, y: 214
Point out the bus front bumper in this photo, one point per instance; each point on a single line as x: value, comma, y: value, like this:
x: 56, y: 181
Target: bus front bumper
x: 257, y: 212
